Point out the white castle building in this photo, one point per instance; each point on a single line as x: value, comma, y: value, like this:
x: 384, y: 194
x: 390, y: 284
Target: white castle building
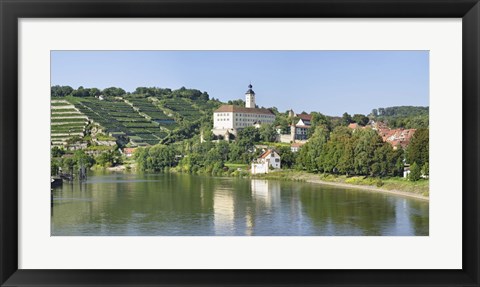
x: 230, y: 118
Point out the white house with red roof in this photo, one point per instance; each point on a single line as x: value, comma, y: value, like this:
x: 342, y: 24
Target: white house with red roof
x: 270, y: 158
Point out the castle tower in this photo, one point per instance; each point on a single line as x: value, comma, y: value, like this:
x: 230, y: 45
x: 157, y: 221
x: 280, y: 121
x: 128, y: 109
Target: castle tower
x: 250, y: 97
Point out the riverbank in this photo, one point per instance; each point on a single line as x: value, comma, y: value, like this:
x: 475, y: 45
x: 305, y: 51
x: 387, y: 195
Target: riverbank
x: 397, y: 186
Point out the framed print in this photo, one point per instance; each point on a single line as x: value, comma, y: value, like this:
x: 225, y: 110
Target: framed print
x: 226, y: 143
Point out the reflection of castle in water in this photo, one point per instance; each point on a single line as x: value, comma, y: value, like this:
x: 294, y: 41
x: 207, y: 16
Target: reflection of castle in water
x: 237, y: 212
x: 224, y: 211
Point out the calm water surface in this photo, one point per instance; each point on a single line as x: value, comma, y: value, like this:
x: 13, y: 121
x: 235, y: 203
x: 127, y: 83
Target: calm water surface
x: 186, y: 205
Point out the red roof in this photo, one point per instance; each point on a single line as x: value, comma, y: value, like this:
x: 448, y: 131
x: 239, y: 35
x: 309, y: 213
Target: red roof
x: 235, y: 109
x: 129, y: 150
x: 266, y: 153
x: 353, y: 125
x: 305, y: 117
x: 399, y: 136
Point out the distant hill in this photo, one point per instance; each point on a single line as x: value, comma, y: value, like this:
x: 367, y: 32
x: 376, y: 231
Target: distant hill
x: 402, y: 116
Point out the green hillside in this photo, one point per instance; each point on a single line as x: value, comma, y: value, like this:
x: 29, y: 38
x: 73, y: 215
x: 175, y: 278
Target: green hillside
x: 146, y: 117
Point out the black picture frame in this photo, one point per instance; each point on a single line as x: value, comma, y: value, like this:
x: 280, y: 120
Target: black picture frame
x: 11, y: 11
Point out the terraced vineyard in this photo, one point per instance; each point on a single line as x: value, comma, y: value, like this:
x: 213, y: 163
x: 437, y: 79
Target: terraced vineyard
x: 182, y: 107
x: 144, y: 120
x: 120, y: 118
x: 153, y: 112
x: 66, y: 122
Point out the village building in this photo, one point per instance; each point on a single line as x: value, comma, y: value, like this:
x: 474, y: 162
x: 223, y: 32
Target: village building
x: 128, y: 151
x: 295, y: 147
x: 396, y: 137
x: 299, y: 130
x: 227, y: 119
x: 270, y: 158
x: 399, y: 137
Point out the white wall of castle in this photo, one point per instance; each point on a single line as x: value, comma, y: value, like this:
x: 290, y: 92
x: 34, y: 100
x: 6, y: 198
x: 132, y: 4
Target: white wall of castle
x: 234, y: 120
x: 223, y: 121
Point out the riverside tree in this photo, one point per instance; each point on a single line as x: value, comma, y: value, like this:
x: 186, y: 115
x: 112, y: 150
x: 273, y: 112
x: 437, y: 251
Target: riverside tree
x: 310, y: 156
x: 418, y: 150
x: 415, y: 172
x: 155, y: 158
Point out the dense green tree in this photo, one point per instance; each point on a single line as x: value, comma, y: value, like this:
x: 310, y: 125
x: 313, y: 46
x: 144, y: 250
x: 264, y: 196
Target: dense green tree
x: 387, y: 161
x: 55, y: 165
x: 426, y: 169
x: 223, y: 149
x: 82, y: 159
x: 94, y: 92
x: 319, y: 120
x: 239, y: 102
x: 346, y: 119
x: 360, y: 119
x: 57, y: 152
x: 68, y: 164
x: 248, y: 136
x: 204, y: 96
x: 310, y: 156
x: 415, y: 172
x: 418, y: 149
x: 335, y: 149
x: 61, y: 91
x: 109, y: 158
x: 155, y: 158
x: 282, y: 122
x: 366, y: 142
x: 346, y: 161
x: 113, y: 92
x: 268, y: 133
x: 207, y: 134
x: 287, y: 157
x: 81, y: 92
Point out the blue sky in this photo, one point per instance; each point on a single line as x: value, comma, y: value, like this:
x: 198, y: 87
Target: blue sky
x: 330, y: 82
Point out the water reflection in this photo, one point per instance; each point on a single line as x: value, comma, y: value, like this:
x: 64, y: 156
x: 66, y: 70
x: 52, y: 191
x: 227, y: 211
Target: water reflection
x: 173, y: 204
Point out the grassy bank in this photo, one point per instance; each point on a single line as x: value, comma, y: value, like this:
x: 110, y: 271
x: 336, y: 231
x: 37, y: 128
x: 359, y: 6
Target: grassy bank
x: 399, y: 186
x: 392, y: 185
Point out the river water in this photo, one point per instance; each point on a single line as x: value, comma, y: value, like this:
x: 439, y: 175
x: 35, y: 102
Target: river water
x: 124, y: 204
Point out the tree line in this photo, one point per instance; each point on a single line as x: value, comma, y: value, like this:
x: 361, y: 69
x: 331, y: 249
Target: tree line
x: 70, y: 162
x: 340, y: 151
x: 140, y: 92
